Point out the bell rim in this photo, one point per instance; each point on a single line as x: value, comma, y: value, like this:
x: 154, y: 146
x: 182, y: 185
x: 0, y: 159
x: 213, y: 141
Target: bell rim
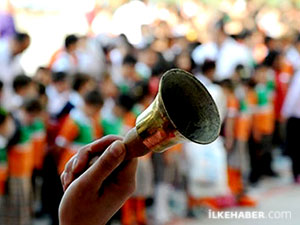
x: 191, y: 76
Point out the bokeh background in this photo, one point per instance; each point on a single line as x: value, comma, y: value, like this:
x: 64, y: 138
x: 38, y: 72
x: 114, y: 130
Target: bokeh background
x: 72, y: 71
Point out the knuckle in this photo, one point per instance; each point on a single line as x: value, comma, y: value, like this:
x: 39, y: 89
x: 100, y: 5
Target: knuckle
x: 107, y: 163
x: 68, y: 165
x: 83, y: 150
x: 130, y: 187
x: 62, y: 178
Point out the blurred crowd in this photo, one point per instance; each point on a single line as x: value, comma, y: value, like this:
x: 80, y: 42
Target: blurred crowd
x: 97, y: 85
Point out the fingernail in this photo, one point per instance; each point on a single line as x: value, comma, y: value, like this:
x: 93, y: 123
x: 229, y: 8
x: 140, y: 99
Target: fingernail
x: 117, y: 149
x: 67, y: 178
x: 74, y: 165
x: 63, y: 179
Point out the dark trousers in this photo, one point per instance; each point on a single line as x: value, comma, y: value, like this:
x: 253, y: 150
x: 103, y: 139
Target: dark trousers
x: 260, y: 158
x: 52, y: 190
x: 293, y: 144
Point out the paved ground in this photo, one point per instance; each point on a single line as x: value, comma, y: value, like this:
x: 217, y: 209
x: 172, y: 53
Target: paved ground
x: 273, y: 195
x: 278, y: 199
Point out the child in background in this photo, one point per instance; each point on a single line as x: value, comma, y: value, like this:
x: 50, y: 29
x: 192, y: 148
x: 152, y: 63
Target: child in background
x: 263, y: 124
x: 38, y: 128
x: 80, y: 128
x: 58, y: 94
x: 118, y: 119
x: 121, y: 119
x: 3, y: 154
x: 81, y: 84
x: 23, y: 87
x: 43, y: 76
x: 20, y: 166
x: 238, y: 156
x: 38, y: 138
x: 58, y: 105
x: 283, y: 74
x: 134, y: 209
x: 7, y: 129
x: 237, y: 131
x: 110, y: 92
x: 207, y: 183
x: 129, y: 74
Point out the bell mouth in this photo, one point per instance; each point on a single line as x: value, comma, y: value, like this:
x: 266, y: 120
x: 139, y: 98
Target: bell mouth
x: 190, y: 107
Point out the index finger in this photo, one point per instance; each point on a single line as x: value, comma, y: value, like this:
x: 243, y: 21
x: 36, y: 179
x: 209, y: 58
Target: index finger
x: 95, y: 148
x: 79, y: 162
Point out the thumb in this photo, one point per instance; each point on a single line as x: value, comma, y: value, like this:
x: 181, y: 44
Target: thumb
x: 104, y: 166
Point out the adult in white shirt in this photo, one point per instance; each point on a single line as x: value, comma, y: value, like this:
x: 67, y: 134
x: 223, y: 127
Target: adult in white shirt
x: 58, y: 94
x: 227, y: 53
x: 293, y: 54
x: 207, y: 164
x: 66, y: 59
x: 91, y: 58
x: 10, y: 67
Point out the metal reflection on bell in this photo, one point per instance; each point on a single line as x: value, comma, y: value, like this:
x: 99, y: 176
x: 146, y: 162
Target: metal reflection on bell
x: 183, y: 110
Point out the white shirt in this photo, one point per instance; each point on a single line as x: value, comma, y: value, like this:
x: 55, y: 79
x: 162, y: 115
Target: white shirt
x: 10, y: 67
x: 291, y: 105
x: 16, y: 101
x: 217, y: 94
x: 293, y: 57
x: 76, y: 99
x: 227, y: 56
x: 91, y: 59
x: 65, y: 63
x: 206, y: 164
x: 56, y: 100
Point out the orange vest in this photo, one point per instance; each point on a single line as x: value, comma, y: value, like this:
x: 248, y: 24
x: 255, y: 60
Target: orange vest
x: 20, y: 160
x: 3, y: 177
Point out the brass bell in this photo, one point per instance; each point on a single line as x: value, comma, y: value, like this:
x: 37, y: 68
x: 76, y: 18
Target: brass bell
x: 183, y: 110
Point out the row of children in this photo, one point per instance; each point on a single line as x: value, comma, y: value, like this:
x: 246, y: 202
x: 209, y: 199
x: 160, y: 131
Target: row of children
x: 47, y: 126
x: 251, y: 119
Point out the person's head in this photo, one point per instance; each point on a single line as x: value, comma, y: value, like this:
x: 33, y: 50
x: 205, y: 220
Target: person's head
x: 41, y: 90
x: 160, y: 44
x: 227, y: 86
x: 261, y: 74
x: 128, y: 67
x: 71, y: 43
x: 274, y: 60
x: 93, y: 103
x: 140, y: 92
x: 123, y: 105
x: 108, y: 88
x: 32, y: 109
x: 240, y: 72
x: 7, y: 126
x: 23, y: 86
x: 271, y: 43
x: 208, y: 68
x: 219, y: 34
x: 43, y: 75
x: 148, y: 56
x: 60, y: 81
x: 20, y: 43
x: 81, y: 83
x: 183, y: 61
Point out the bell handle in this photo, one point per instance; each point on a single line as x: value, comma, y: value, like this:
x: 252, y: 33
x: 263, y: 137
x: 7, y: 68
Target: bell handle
x: 134, y: 145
